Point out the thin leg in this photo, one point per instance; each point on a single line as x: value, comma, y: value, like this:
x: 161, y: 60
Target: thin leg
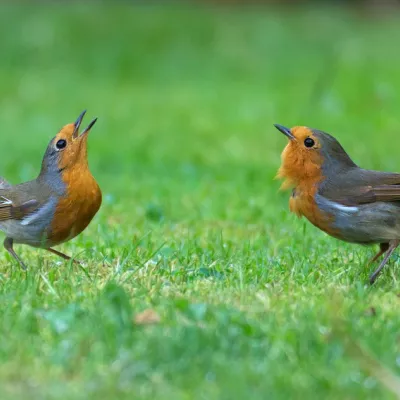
x: 62, y: 255
x: 392, y: 246
x: 8, y: 244
x: 383, y: 249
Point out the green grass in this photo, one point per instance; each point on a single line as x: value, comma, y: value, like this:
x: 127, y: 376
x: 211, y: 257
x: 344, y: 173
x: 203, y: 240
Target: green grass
x: 192, y: 226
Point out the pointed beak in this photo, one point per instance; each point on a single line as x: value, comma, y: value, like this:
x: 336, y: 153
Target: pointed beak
x: 285, y: 131
x: 89, y: 127
x: 78, y: 123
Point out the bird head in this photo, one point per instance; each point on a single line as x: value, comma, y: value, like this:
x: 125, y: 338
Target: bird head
x: 310, y: 155
x: 68, y: 148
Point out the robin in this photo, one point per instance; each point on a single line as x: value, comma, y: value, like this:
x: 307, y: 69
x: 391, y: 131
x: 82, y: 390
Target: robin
x: 59, y: 204
x: 347, y: 202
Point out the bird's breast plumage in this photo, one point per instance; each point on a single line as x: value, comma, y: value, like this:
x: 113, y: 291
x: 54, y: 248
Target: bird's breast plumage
x: 303, y: 203
x: 76, y: 209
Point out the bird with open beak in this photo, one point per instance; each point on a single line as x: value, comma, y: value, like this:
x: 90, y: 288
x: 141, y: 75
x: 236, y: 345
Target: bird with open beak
x: 60, y: 203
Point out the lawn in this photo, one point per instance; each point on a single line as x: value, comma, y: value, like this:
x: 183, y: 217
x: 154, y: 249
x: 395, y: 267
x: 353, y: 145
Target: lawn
x: 197, y: 281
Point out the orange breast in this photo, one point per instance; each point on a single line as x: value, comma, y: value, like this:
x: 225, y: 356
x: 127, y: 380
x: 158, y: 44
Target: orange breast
x: 75, y: 211
x: 302, y: 170
x: 302, y: 203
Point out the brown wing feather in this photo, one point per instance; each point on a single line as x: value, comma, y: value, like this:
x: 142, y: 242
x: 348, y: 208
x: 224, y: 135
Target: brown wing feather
x: 5, y: 213
x: 385, y: 193
x: 359, y: 186
x: 8, y: 211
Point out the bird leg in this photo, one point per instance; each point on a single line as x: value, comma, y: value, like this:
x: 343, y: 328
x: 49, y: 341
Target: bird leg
x: 383, y: 249
x: 392, y: 247
x: 8, y: 244
x: 62, y: 255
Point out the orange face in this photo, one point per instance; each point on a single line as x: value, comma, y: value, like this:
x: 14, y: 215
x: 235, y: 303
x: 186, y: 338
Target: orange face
x: 72, y: 146
x: 68, y: 148
x: 302, y: 157
x: 65, y: 163
x: 302, y: 162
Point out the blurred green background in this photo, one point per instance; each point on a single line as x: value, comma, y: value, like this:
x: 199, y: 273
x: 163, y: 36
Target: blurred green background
x: 242, y: 299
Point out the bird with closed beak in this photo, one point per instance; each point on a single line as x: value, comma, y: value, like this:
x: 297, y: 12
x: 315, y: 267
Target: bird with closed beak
x: 60, y: 203
x: 345, y: 201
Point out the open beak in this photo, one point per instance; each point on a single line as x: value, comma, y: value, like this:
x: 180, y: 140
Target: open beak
x: 77, y: 124
x: 285, y: 131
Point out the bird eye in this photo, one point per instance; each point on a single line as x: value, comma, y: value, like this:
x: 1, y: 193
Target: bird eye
x: 61, y: 144
x: 308, y: 142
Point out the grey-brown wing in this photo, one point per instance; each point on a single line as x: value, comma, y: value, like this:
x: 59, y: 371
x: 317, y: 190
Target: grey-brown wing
x: 360, y: 186
x: 371, y: 194
x: 15, y: 203
x: 8, y: 210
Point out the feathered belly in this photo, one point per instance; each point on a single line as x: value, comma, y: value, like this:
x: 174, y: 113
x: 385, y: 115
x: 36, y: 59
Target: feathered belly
x: 365, y: 224
x: 305, y: 205
x: 31, y: 235
x: 33, y: 229
x: 73, y: 215
x: 362, y: 224
x: 54, y: 223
